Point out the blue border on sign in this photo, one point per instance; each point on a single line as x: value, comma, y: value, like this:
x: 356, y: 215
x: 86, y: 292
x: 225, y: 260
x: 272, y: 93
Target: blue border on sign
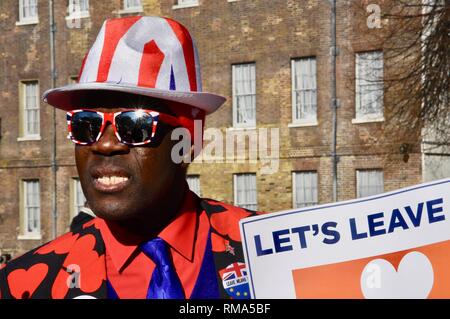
x: 322, y: 207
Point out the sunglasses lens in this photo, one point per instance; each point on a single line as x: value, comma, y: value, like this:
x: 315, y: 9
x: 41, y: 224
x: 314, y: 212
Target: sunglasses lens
x: 134, y: 126
x: 86, y: 126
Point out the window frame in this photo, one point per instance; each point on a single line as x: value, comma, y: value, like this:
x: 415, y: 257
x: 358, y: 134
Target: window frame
x: 235, y: 191
x: 77, y: 14
x: 366, y: 170
x: 27, y: 20
x: 294, y: 189
x: 24, y: 211
x: 74, y: 207
x: 297, y: 121
x: 252, y: 123
x: 24, y: 135
x: 127, y: 9
x: 372, y: 117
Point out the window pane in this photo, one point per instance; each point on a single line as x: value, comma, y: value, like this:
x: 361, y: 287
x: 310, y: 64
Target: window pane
x: 305, y: 190
x: 305, y: 89
x: 78, y: 6
x: 84, y: 5
x: 22, y: 7
x: 194, y: 184
x: 27, y: 9
x: 78, y: 196
x: 369, y: 182
x: 33, y: 8
x: 31, y: 108
x: 130, y: 4
x: 369, y: 84
x: 31, y: 207
x: 245, y: 191
x: 244, y: 94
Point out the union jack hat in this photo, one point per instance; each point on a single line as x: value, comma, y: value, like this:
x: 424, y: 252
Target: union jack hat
x: 149, y: 56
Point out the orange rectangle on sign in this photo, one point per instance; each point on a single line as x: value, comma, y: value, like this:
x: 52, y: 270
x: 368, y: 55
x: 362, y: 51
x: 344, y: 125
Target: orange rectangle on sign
x: 422, y: 272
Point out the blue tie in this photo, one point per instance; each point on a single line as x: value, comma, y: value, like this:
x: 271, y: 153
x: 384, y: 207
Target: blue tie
x: 165, y: 283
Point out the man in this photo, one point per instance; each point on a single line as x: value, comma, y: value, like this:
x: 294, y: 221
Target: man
x: 152, y: 237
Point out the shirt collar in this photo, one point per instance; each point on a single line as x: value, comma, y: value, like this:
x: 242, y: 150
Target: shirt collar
x: 122, y: 245
x: 180, y: 234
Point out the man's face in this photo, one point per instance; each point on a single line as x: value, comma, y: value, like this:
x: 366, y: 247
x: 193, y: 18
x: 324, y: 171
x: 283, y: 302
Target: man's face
x: 123, y: 182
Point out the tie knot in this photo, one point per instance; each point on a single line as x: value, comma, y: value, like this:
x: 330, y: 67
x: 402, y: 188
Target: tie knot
x: 157, y: 250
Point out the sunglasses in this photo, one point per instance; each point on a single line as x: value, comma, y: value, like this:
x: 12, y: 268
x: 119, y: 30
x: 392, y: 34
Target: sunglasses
x: 131, y: 127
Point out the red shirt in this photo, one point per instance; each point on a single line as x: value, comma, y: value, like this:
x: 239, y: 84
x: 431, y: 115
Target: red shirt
x: 129, y: 270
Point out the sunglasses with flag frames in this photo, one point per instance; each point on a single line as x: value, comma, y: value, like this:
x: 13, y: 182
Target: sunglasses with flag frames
x: 131, y: 126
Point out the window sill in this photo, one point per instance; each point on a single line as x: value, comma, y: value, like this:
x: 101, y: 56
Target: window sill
x: 28, y: 138
x: 133, y: 10
x: 183, y: 6
x: 367, y: 120
x: 80, y: 15
x: 241, y: 128
x: 303, y: 124
x: 27, y: 22
x: 29, y: 237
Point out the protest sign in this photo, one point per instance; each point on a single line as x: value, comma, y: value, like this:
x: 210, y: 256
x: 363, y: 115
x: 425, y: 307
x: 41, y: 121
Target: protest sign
x: 391, y: 245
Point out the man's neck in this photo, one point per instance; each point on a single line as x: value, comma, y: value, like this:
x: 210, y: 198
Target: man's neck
x: 147, y: 226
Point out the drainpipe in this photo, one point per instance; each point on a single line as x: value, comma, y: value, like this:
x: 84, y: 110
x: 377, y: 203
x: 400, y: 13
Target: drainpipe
x: 53, y: 85
x: 334, y: 101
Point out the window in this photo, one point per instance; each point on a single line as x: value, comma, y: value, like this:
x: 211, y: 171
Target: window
x: 304, y: 91
x: 132, y: 6
x: 245, y: 191
x: 28, y: 11
x: 305, y: 189
x: 244, y: 95
x: 31, y: 210
x: 194, y: 183
x: 369, y: 86
x: 78, y: 9
x: 78, y: 198
x: 29, y: 104
x: 187, y: 3
x: 369, y: 182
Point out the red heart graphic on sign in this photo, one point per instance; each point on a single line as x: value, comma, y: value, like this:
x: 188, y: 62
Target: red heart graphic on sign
x: 23, y: 283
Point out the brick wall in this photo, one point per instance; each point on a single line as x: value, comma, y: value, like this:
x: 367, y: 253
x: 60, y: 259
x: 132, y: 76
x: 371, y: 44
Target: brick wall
x: 268, y: 33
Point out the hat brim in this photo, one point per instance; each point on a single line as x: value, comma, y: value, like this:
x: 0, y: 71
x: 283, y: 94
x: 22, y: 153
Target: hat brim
x: 71, y: 97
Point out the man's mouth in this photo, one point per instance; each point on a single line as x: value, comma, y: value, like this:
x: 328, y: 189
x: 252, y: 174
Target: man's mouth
x: 110, y: 180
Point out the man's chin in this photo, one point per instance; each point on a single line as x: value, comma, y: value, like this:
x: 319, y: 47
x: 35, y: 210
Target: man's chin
x: 112, y: 212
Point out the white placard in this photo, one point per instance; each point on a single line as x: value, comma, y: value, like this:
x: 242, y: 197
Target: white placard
x: 276, y: 244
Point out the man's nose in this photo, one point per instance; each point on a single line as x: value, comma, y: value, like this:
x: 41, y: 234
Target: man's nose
x: 108, y: 144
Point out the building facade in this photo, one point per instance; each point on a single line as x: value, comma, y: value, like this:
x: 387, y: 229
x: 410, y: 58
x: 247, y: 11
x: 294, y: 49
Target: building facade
x: 272, y: 59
